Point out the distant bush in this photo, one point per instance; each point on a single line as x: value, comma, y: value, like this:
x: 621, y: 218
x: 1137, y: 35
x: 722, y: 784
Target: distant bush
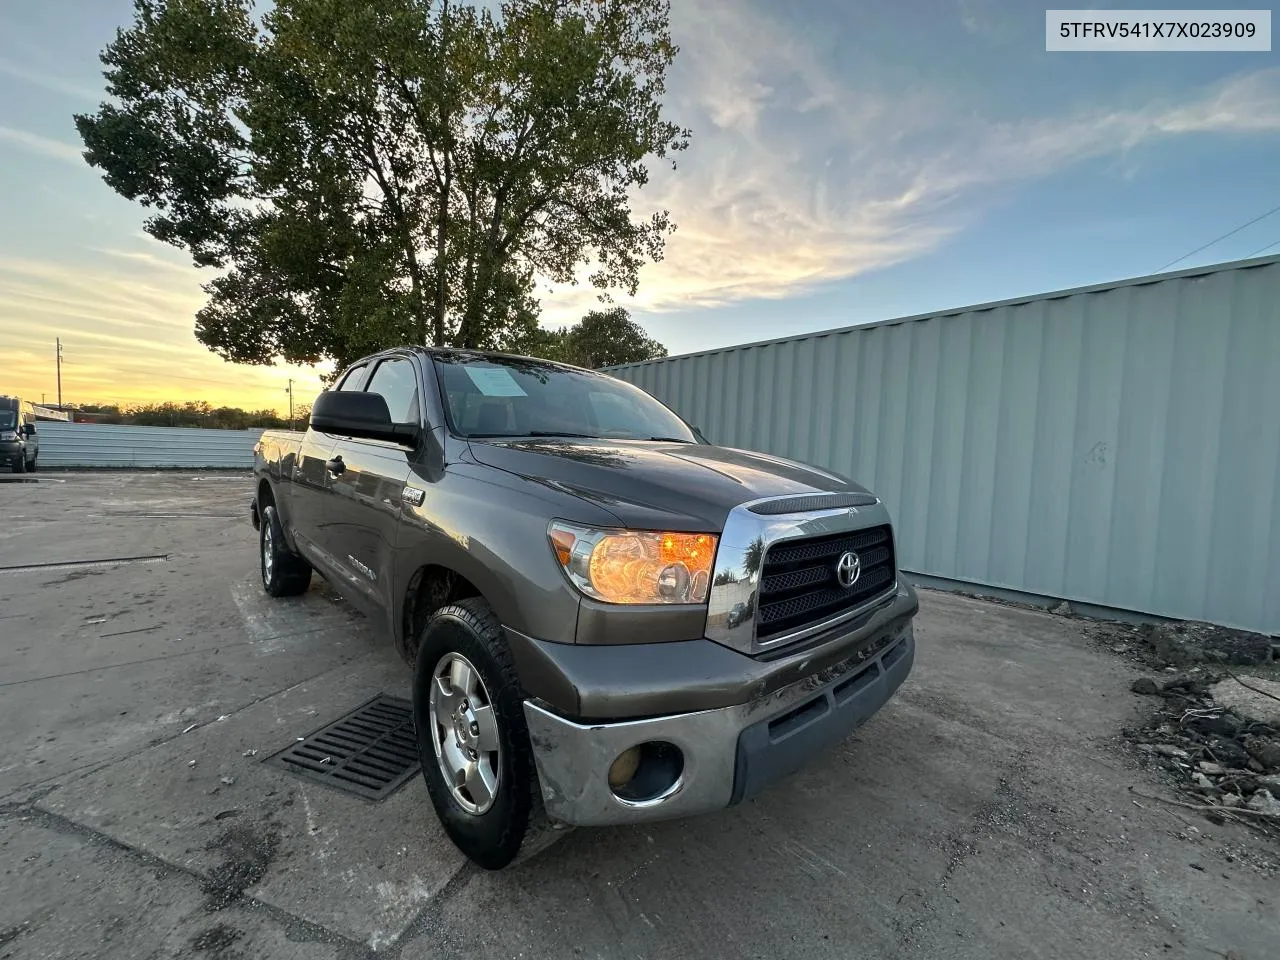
x: 193, y: 413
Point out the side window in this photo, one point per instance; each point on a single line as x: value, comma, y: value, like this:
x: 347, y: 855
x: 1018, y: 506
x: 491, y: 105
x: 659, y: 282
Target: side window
x: 397, y: 381
x: 351, y: 379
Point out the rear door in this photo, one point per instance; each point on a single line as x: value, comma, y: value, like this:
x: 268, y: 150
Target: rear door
x: 363, y: 510
x: 311, y: 482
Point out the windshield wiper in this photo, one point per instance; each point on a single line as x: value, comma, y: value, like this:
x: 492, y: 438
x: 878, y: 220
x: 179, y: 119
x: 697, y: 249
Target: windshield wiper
x: 670, y: 440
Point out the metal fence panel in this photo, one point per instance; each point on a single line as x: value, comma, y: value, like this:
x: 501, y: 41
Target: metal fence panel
x: 1116, y: 445
x: 116, y: 445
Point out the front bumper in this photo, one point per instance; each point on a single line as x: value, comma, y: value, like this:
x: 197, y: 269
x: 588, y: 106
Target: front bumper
x: 729, y: 753
x: 11, y: 451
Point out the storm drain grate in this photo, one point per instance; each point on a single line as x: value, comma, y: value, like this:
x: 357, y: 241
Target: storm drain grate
x: 370, y: 752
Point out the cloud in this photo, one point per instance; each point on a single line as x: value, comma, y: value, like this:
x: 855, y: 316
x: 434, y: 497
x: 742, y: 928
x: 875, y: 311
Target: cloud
x: 49, y: 81
x: 50, y: 148
x: 1245, y: 104
x: 985, y: 19
x: 149, y: 259
x: 798, y: 177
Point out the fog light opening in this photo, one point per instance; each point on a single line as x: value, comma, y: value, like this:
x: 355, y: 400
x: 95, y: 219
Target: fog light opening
x: 624, y: 768
x: 653, y: 772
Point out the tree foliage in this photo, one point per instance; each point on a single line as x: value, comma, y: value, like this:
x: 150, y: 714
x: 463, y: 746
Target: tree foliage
x: 602, y: 338
x: 366, y: 174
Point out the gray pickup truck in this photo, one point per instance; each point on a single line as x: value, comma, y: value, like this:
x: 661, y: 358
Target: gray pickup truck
x: 611, y: 620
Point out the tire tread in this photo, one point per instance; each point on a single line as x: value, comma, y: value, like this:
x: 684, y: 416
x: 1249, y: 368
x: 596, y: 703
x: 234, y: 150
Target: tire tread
x: 291, y: 575
x: 504, y: 843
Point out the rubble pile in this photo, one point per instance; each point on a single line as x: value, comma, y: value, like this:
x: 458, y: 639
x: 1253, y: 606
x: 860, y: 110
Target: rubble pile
x: 1183, y: 644
x: 1227, y: 757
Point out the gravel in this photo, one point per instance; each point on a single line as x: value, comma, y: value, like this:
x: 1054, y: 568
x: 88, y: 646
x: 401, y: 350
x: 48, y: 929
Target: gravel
x: 1222, y: 759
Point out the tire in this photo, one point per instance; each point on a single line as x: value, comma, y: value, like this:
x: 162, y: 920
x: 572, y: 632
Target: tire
x: 20, y: 465
x: 491, y: 837
x: 32, y: 465
x: 284, y: 573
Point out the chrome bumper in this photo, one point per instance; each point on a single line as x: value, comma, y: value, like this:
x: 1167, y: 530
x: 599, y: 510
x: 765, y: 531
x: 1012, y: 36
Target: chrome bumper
x: 729, y: 753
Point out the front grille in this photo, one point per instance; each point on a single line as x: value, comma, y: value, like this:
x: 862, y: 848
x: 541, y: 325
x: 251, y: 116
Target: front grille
x: 798, y: 584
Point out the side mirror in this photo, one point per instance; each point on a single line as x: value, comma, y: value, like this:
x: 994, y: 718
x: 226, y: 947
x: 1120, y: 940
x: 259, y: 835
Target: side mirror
x: 353, y: 413
x: 29, y: 429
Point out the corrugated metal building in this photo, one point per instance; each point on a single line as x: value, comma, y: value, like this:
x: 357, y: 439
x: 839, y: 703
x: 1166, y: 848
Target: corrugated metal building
x: 119, y: 445
x: 1115, y: 445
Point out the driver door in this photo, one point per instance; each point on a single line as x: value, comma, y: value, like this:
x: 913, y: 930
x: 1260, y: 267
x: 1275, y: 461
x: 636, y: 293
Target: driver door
x: 363, y: 507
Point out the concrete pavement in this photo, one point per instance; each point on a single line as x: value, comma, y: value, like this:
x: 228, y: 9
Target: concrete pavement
x: 985, y: 813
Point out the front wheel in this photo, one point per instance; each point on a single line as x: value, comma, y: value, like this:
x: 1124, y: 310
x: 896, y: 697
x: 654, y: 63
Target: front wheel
x: 472, y: 739
x: 20, y: 465
x: 32, y: 465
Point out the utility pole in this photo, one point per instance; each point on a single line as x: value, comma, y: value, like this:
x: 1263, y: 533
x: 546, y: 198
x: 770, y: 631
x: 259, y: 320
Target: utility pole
x: 59, y: 342
x: 289, y: 391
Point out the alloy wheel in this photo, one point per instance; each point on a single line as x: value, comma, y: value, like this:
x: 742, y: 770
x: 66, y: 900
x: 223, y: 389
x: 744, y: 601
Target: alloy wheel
x: 464, y: 732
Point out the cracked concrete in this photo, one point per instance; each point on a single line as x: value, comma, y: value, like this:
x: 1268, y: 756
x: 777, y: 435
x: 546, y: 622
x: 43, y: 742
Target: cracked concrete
x: 984, y: 813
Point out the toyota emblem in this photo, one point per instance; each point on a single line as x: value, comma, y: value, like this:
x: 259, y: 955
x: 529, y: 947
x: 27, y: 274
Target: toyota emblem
x: 848, y: 569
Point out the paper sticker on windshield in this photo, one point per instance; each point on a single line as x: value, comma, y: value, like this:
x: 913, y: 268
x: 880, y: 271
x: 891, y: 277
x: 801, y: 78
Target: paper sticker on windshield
x: 495, y: 381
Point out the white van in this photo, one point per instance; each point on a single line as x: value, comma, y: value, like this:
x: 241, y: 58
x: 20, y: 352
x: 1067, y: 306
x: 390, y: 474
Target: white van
x: 19, y: 444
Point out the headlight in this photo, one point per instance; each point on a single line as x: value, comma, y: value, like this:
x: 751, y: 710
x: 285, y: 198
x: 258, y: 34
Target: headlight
x: 8, y: 435
x: 635, y: 566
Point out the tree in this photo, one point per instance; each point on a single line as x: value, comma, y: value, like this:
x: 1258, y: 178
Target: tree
x: 602, y: 338
x: 366, y: 174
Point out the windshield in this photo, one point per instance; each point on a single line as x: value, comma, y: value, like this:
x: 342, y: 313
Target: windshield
x: 8, y: 419
x: 517, y: 397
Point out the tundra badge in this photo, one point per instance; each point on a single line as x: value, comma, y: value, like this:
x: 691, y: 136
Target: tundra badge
x: 363, y: 568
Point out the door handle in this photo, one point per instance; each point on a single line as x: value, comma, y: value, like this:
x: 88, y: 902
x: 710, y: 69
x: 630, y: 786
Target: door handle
x: 335, y: 466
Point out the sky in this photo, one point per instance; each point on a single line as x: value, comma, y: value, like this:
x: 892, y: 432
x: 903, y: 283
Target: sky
x: 851, y: 162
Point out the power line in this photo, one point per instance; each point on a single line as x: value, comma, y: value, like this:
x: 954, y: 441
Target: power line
x: 1230, y: 233
x: 1260, y: 250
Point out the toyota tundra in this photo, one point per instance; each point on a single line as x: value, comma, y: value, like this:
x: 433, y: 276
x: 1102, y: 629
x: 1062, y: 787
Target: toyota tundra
x: 610, y: 619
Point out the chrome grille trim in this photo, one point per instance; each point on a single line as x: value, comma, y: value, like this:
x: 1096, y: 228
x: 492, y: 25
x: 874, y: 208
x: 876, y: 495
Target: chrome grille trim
x: 748, y: 534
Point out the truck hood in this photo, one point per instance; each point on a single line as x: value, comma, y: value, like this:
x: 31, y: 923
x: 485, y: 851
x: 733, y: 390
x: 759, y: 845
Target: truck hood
x: 656, y: 485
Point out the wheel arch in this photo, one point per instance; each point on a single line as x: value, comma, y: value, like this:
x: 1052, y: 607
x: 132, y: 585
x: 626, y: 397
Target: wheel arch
x: 266, y: 495
x: 430, y: 587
